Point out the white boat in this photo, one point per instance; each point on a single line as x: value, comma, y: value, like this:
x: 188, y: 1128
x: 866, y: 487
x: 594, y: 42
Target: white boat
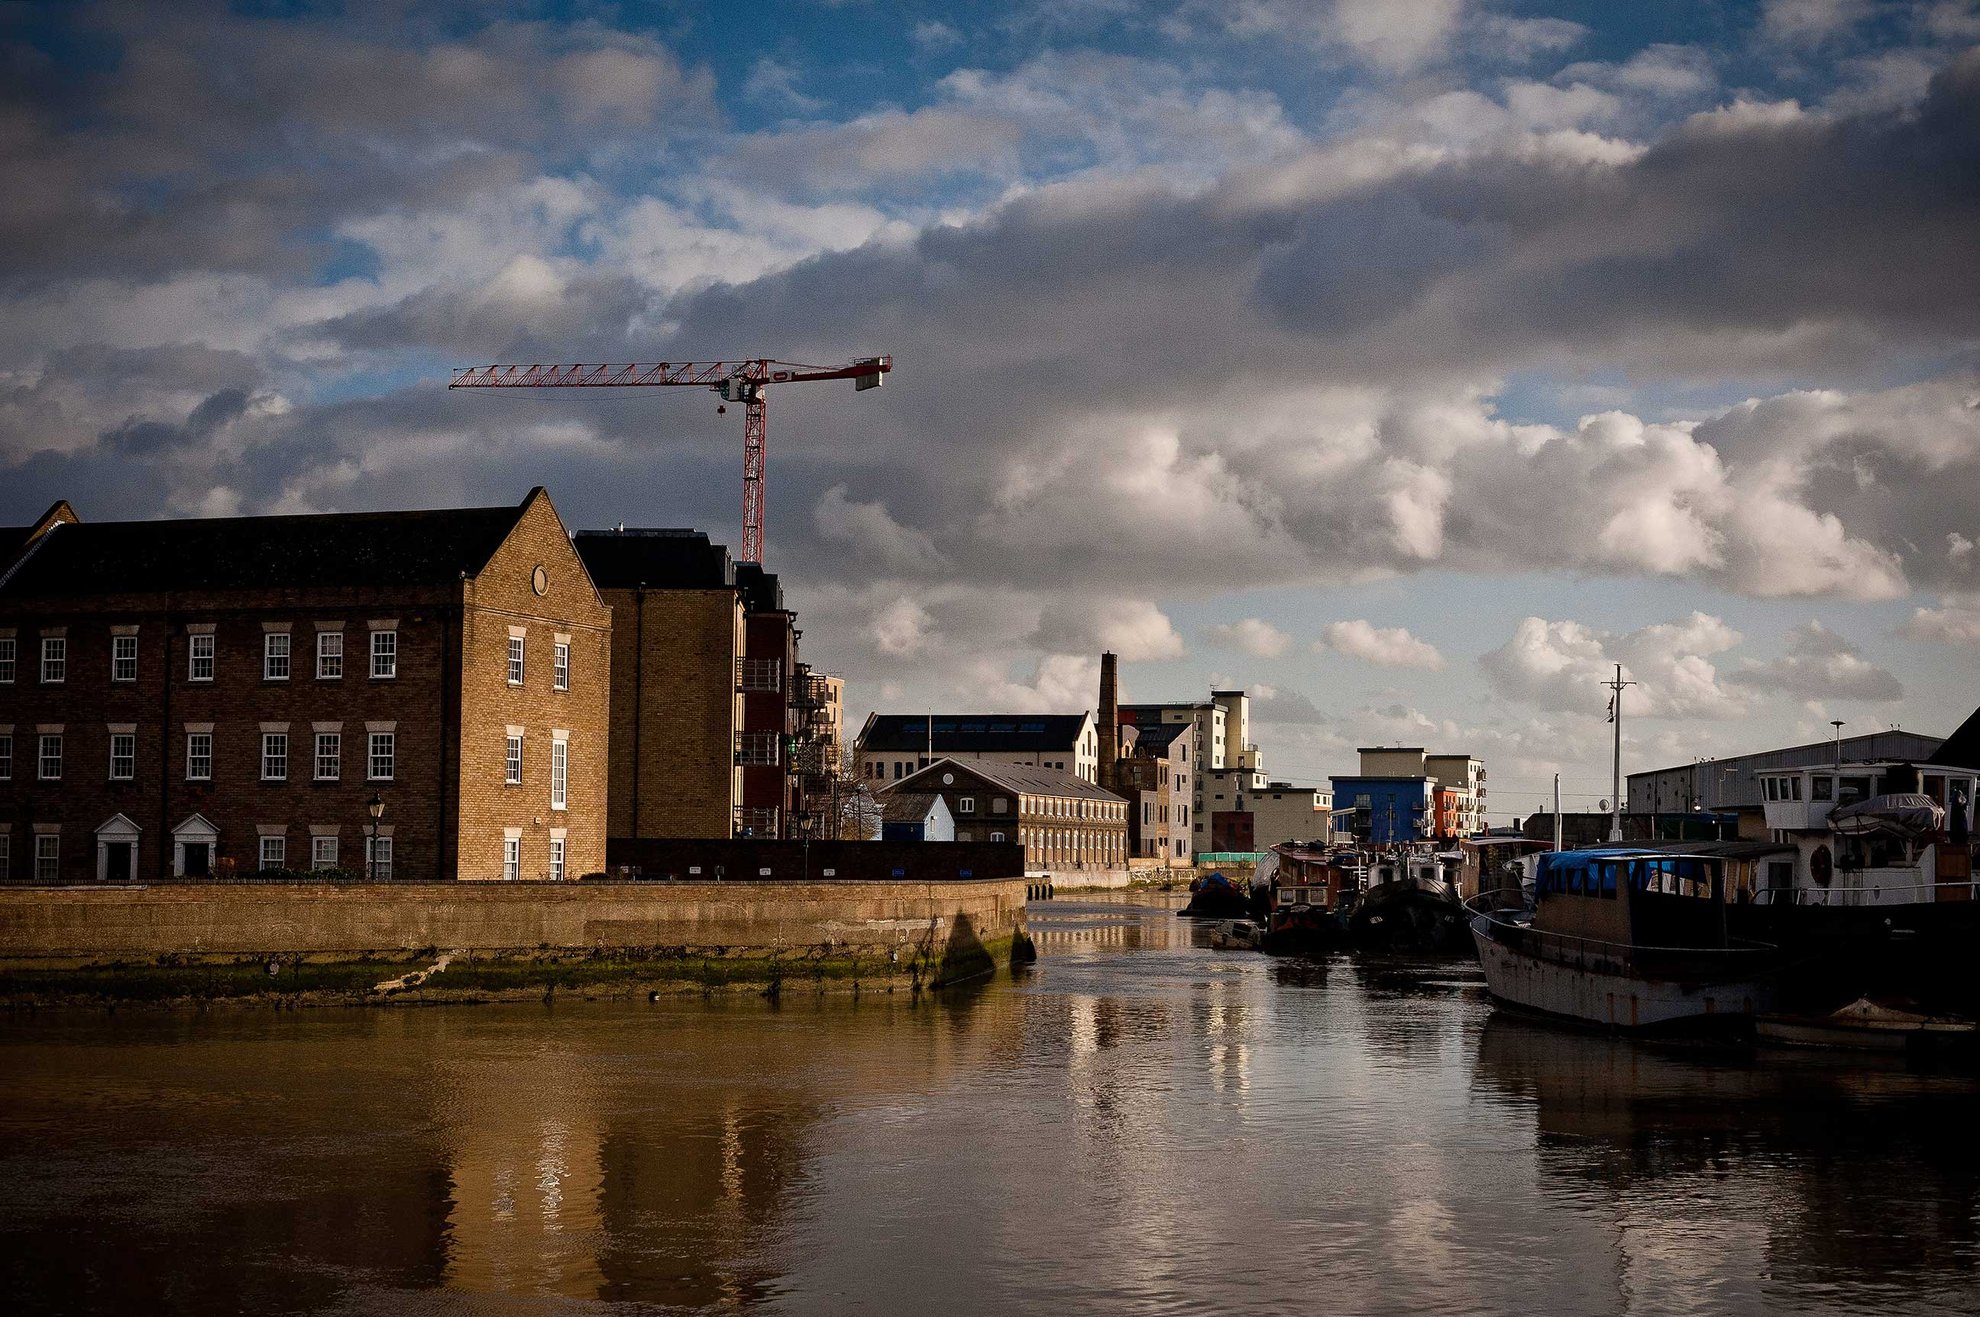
x: 1624, y: 939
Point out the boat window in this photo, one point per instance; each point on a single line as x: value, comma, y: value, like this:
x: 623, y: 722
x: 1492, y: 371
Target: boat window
x: 1822, y: 787
x: 1852, y: 789
x: 1795, y: 783
x: 1768, y: 784
x: 1935, y: 787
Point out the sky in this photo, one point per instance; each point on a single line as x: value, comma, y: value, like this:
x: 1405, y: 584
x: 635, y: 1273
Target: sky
x: 1408, y: 365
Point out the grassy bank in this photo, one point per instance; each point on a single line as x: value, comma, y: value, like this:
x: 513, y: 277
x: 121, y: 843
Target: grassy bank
x: 506, y: 976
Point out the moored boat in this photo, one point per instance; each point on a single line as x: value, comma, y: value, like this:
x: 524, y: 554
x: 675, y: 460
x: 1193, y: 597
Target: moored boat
x: 1623, y: 938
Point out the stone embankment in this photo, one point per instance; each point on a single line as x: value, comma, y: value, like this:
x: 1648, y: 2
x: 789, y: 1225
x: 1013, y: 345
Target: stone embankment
x: 348, y: 942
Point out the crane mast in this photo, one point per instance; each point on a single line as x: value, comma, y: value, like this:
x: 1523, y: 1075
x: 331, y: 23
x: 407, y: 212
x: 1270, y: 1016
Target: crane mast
x: 745, y: 381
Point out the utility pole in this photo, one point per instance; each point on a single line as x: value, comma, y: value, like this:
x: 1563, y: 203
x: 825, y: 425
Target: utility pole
x: 1615, y: 716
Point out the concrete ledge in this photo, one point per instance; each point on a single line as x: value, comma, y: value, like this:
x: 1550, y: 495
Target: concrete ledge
x: 90, y: 925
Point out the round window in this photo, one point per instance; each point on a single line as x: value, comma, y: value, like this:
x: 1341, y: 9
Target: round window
x: 948, y: 779
x: 1821, y: 867
x: 539, y: 580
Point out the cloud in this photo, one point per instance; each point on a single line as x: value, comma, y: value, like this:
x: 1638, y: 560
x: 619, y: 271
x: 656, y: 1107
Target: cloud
x: 774, y: 83
x: 1253, y: 636
x: 1820, y: 665
x: 1274, y: 704
x: 1386, y: 647
x: 1133, y: 628
x: 1810, y: 21
x: 1561, y: 666
x: 870, y: 531
x: 1955, y: 622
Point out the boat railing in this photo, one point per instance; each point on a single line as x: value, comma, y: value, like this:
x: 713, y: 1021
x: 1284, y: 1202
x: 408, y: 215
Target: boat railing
x: 1874, y: 894
x: 1603, y: 957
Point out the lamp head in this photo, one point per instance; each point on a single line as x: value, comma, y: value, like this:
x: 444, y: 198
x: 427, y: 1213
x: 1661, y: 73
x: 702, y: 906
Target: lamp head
x: 375, y: 807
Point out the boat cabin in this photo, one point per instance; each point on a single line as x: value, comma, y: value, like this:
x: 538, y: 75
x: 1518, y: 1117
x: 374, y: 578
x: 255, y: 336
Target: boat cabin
x: 1871, y: 834
x: 1631, y: 897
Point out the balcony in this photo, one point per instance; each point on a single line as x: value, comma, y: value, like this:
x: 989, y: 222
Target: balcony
x: 759, y: 749
x: 759, y: 676
x: 756, y: 822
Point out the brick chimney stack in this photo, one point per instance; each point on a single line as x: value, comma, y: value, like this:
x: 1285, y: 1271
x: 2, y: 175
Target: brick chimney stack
x: 1110, y: 718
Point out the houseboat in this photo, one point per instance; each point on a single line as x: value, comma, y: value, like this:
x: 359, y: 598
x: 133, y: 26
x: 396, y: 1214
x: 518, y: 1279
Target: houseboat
x: 1409, y: 903
x: 1872, y: 886
x: 1311, y: 887
x: 1623, y: 938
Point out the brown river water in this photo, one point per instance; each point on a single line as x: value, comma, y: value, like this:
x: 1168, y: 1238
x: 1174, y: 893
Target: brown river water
x: 1136, y: 1124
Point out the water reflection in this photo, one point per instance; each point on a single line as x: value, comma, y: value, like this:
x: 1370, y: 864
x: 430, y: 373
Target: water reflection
x: 1138, y: 1122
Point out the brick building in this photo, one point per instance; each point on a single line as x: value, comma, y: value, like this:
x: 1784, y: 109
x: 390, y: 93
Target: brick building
x: 678, y: 680
x: 185, y: 697
x: 715, y: 718
x: 1062, y: 820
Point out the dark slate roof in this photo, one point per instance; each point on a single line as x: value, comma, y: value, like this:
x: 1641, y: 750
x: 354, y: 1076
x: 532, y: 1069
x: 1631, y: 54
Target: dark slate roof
x: 1155, y: 738
x: 658, y: 559
x: 1027, y: 778
x: 359, y: 549
x: 905, y: 806
x: 762, y: 592
x: 993, y: 733
x: 1962, y: 748
x: 11, y: 540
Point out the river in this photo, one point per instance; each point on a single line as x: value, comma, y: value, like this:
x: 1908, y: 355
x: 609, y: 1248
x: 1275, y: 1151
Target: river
x: 1137, y: 1123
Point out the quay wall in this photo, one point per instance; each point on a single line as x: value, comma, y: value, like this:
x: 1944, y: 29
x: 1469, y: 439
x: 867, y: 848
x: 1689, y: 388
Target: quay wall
x: 932, y: 931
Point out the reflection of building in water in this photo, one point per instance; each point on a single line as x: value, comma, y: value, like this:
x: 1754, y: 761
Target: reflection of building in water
x: 1789, y: 1168
x: 526, y: 1177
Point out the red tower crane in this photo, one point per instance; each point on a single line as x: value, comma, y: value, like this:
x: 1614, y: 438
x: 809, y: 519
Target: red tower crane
x: 737, y: 381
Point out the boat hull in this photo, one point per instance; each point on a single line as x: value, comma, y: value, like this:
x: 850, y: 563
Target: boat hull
x: 1609, y: 999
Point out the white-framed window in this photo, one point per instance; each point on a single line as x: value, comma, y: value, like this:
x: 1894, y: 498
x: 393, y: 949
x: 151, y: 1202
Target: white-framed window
x: 47, y: 857
x: 49, y: 764
x: 54, y: 660
x: 512, y: 762
x: 7, y: 758
x: 383, y: 758
x: 329, y: 756
x: 273, y: 852
x: 380, y: 850
x: 329, y: 656
x: 323, y: 852
x: 996, y: 836
x: 556, y: 859
x: 515, y: 660
x: 384, y: 655
x: 560, y: 673
x: 199, y: 658
x: 560, y: 753
x: 512, y: 858
x: 123, y: 658
x: 123, y: 756
x: 274, y: 756
x: 966, y: 804
x: 199, y: 756
x: 7, y: 656
x: 275, y: 656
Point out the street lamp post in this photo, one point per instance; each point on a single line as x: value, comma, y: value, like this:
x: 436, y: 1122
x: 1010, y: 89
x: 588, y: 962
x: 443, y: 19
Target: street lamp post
x: 376, y: 808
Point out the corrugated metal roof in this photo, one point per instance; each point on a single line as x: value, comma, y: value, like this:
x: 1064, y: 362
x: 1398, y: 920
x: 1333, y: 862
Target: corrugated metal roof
x: 984, y: 732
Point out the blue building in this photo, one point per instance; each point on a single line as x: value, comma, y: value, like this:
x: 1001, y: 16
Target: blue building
x: 1377, y: 811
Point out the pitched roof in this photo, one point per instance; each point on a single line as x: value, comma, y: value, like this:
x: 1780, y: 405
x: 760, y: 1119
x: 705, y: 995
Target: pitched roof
x: 905, y: 806
x: 1015, y: 778
x: 377, y: 549
x: 992, y: 733
x: 658, y: 559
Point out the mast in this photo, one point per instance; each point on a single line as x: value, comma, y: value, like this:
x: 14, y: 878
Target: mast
x: 1557, y: 811
x: 1615, y: 716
